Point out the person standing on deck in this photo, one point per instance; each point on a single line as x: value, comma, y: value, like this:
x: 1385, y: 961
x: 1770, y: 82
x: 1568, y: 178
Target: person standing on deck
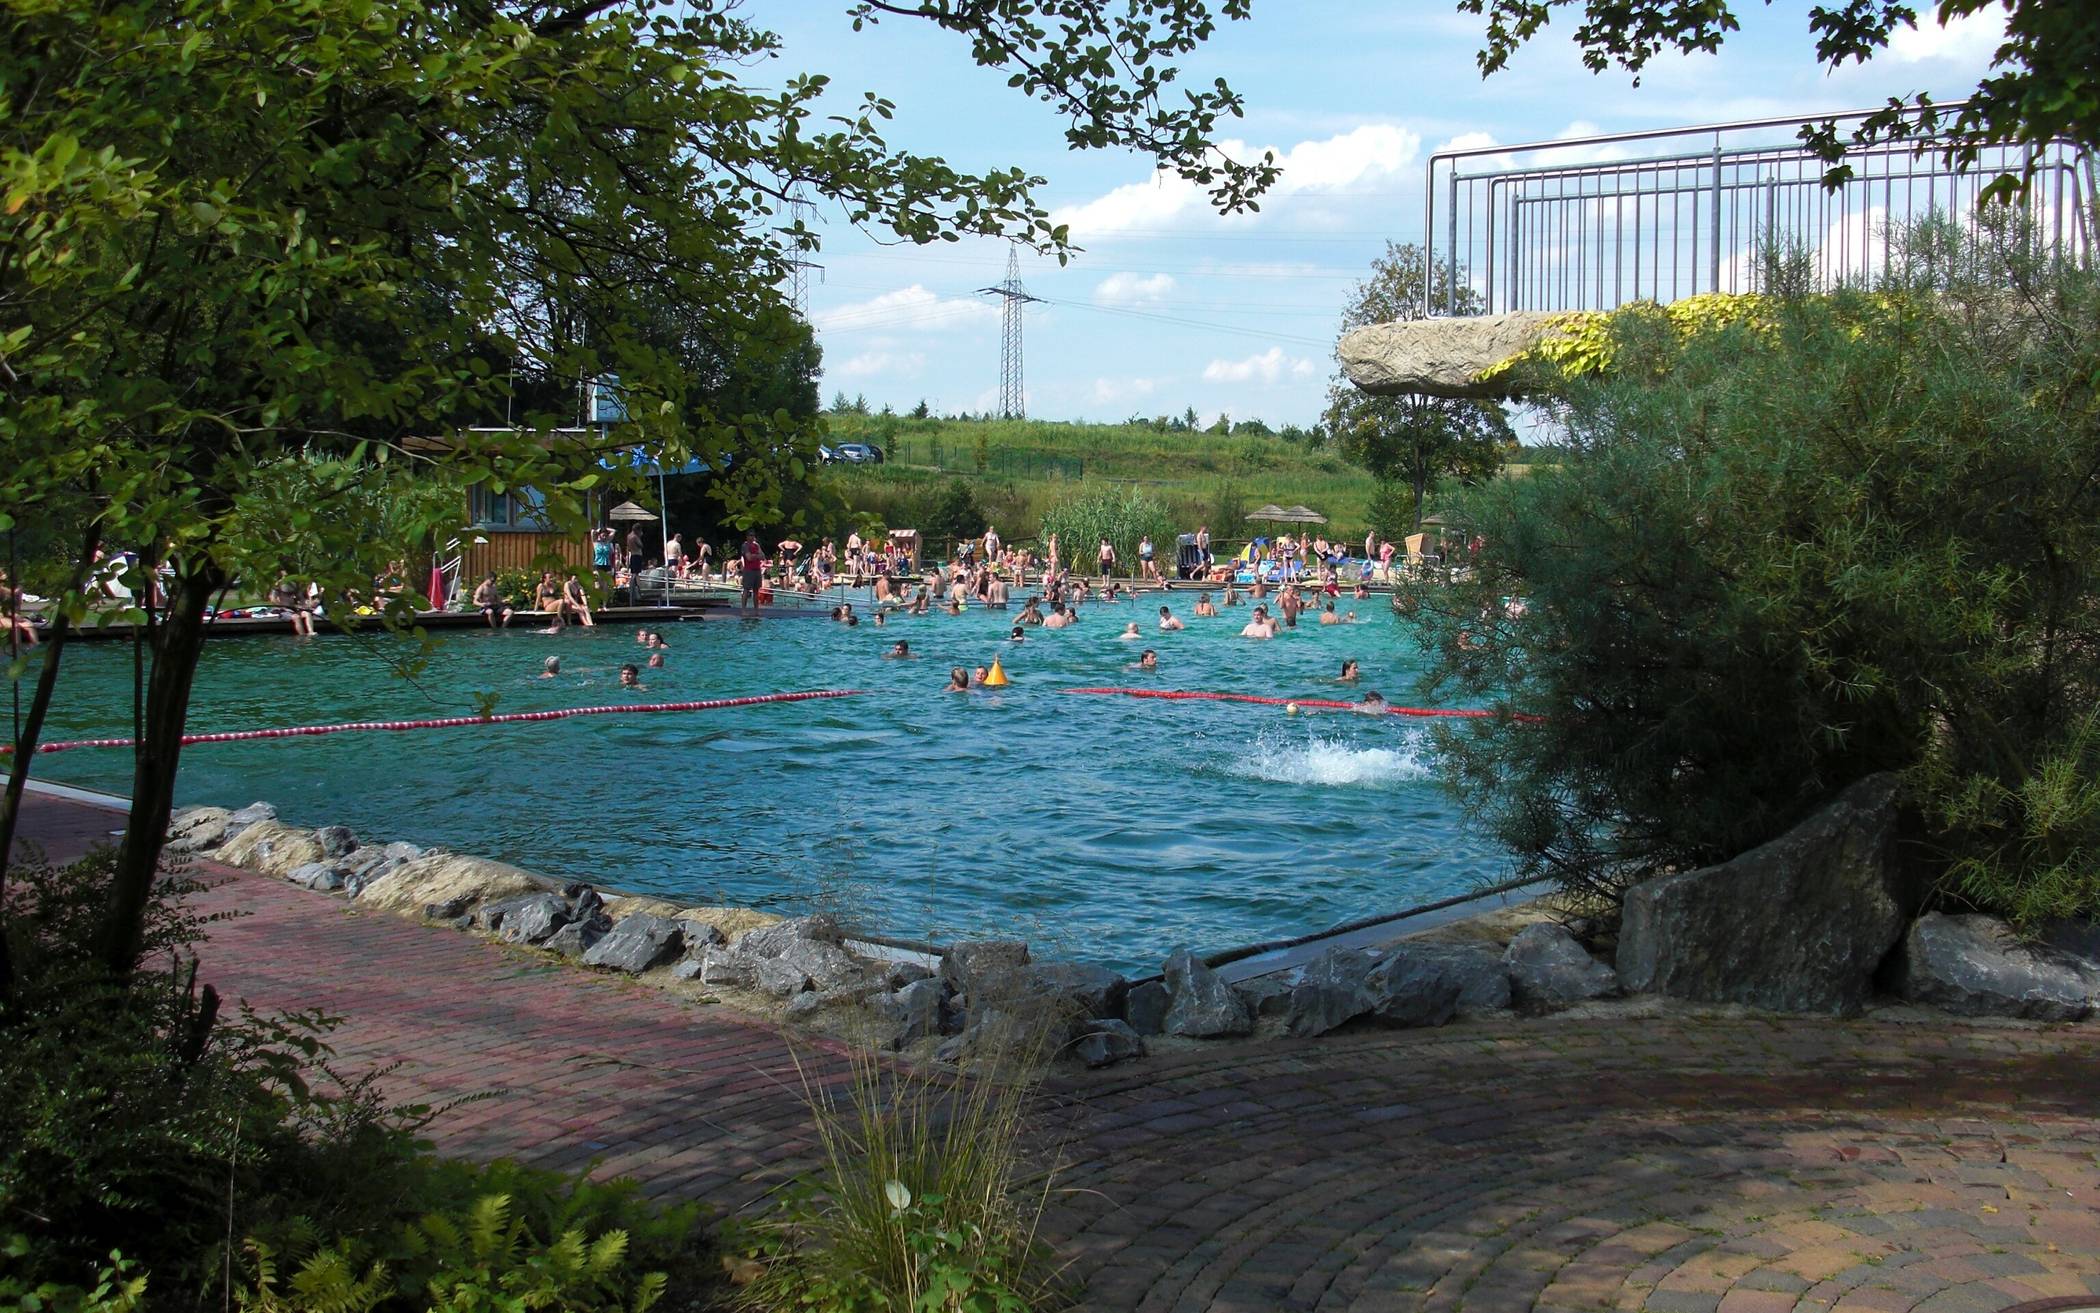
x: 1107, y: 558
x: 634, y: 553
x: 753, y: 561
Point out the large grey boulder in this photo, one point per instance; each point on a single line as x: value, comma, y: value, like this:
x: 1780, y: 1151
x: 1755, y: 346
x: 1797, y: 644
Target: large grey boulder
x: 322, y: 876
x: 1080, y: 989
x: 911, y: 1013
x: 255, y: 813
x: 1549, y: 970
x: 825, y: 966
x: 1266, y: 996
x: 729, y: 967
x: 983, y: 967
x: 775, y: 939
x: 1799, y: 924
x: 1105, y: 1042
x: 1413, y: 975
x: 196, y: 829
x: 1145, y: 1007
x: 699, y: 934
x: 1203, y: 1006
x: 527, y: 919
x: 1975, y: 966
x: 1442, y: 357
x: 335, y: 840
x: 579, y: 936
x: 636, y: 944
x: 1333, y: 989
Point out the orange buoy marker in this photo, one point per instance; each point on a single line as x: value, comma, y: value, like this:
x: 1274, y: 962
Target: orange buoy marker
x: 996, y: 676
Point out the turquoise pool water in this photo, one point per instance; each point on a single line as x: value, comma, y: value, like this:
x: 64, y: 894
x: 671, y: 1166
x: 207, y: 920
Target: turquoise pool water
x: 1110, y: 829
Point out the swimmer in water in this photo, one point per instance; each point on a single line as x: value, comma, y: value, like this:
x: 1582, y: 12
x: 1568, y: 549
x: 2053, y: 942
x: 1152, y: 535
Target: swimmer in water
x: 1129, y: 631
x: 1327, y: 615
x: 1259, y: 626
x: 642, y: 636
x: 901, y: 652
x: 630, y: 677
x: 1018, y: 636
x: 1204, y: 608
x: 656, y: 661
x: 1232, y: 595
x: 1349, y: 673
x: 1169, y: 622
x: 1373, y: 704
x: 958, y: 681
x: 1147, y: 660
x: 1349, y: 619
x: 550, y: 667
x: 978, y: 676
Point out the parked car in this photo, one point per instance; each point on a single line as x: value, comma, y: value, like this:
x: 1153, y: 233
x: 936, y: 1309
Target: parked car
x: 858, y: 453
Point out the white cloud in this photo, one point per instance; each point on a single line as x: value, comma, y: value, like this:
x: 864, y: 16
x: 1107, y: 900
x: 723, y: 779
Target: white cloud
x: 1115, y: 391
x: 1270, y: 366
x: 1133, y: 289
x: 1969, y: 39
x: 870, y: 364
x: 1361, y: 159
x: 907, y: 307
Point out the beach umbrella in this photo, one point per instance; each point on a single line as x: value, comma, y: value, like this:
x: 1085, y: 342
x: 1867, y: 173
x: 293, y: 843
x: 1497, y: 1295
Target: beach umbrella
x: 1305, y: 515
x: 629, y: 512
x: 1270, y: 512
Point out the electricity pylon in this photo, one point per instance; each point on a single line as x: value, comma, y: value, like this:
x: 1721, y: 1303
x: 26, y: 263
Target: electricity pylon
x: 1013, y: 402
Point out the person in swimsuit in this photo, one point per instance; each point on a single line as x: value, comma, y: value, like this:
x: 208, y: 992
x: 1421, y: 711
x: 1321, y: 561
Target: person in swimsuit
x: 630, y: 677
x: 1168, y: 621
x: 550, y: 668
x: 1349, y: 673
x: 1204, y: 608
x: 958, y: 681
x: 578, y: 601
x: 1107, y: 558
x: 752, y: 559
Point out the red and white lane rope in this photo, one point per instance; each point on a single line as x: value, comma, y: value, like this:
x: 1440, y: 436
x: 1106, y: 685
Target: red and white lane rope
x: 1320, y: 704
x: 452, y: 722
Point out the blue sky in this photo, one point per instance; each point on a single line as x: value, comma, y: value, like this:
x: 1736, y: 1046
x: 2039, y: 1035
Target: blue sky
x: 1171, y: 306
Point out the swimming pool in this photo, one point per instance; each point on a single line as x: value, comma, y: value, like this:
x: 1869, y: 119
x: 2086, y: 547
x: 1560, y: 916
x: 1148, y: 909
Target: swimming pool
x: 1100, y: 828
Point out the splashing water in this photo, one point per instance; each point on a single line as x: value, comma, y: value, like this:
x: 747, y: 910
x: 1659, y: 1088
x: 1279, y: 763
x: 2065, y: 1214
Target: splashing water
x: 1323, y: 759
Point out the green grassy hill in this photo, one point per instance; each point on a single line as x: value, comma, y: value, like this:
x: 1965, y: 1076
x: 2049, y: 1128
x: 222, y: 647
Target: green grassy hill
x: 1020, y: 468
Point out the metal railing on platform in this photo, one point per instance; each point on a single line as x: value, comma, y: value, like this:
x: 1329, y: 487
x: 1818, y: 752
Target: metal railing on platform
x: 1592, y: 223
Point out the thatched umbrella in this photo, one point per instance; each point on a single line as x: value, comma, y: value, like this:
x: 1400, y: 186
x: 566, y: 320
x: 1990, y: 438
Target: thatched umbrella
x: 629, y: 512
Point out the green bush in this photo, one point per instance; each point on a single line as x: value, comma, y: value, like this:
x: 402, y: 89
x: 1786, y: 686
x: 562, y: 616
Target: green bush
x: 1836, y: 535
x: 519, y: 588
x: 140, y: 1119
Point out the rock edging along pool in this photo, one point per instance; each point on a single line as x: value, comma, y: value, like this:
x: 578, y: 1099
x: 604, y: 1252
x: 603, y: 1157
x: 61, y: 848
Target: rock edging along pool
x: 1105, y: 829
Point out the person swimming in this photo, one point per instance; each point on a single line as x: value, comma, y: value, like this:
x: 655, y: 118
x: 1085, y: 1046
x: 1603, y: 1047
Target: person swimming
x: 1373, y: 704
x: 1018, y: 636
x: 630, y: 676
x: 550, y: 667
x: 1328, y: 616
x: 979, y: 675
x: 1147, y: 660
x: 656, y: 661
x: 1259, y: 625
x: 1168, y: 621
x: 958, y: 681
x: 900, y: 652
x: 1349, y: 673
x: 1204, y: 607
x: 1129, y: 631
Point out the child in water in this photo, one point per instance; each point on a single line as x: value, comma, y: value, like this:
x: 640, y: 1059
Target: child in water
x: 958, y: 681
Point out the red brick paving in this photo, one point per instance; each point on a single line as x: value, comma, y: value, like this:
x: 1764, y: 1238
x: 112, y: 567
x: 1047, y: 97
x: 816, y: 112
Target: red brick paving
x: 1705, y: 1164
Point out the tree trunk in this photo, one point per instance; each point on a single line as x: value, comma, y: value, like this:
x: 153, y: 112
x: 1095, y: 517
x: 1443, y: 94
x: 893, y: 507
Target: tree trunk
x: 32, y: 733
x: 159, y: 752
x: 1420, y: 487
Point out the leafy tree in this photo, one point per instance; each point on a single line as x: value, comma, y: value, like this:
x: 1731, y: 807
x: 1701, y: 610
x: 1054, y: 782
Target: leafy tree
x: 1252, y: 428
x: 1189, y: 420
x: 951, y: 515
x: 2041, y: 85
x: 1832, y: 536
x: 919, y: 411
x: 1412, y: 440
x: 1222, y: 428
x: 233, y: 230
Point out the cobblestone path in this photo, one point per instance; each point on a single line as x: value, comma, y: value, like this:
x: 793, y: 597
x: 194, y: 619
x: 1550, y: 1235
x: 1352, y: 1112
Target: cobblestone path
x: 1701, y: 1164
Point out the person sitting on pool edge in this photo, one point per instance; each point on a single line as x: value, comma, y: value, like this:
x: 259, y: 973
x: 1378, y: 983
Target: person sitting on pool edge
x: 901, y: 652
x: 958, y: 681
x: 1168, y: 621
x: 488, y: 599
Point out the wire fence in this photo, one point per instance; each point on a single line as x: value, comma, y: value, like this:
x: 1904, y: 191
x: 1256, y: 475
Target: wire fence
x: 964, y: 458
x: 1596, y: 222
